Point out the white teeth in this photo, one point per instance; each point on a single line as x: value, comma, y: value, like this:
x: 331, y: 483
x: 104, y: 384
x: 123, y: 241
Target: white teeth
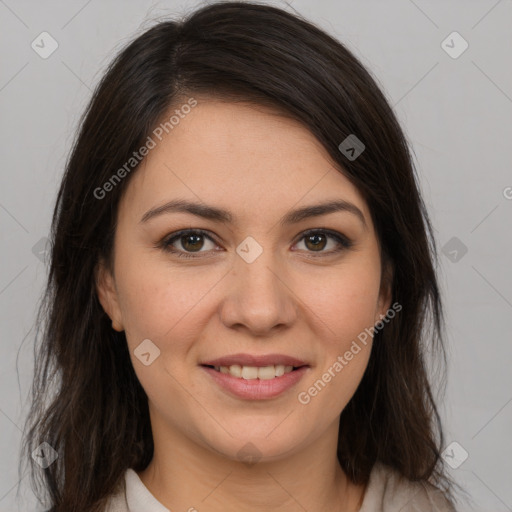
x: 266, y: 372
x: 235, y: 370
x: 249, y: 372
x: 255, y: 372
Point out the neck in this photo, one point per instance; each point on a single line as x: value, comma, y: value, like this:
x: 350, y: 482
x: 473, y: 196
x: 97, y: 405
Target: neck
x: 184, y: 475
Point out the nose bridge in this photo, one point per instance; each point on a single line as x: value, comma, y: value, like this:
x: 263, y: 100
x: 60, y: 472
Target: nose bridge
x: 257, y: 296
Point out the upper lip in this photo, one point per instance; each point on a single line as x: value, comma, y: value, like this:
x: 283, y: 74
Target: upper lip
x: 255, y: 360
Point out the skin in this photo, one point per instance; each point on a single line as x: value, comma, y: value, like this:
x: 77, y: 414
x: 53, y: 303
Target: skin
x: 293, y: 299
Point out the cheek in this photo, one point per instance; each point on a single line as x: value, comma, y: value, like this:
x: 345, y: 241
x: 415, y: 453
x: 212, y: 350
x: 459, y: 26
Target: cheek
x: 344, y: 304
x: 345, y: 310
x: 161, y: 302
x: 344, y: 301
x: 166, y: 306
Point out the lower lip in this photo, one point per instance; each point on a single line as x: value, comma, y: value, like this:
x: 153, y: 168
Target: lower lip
x: 256, y: 389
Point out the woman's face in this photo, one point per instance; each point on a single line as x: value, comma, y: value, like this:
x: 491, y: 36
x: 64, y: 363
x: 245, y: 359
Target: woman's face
x: 253, y: 285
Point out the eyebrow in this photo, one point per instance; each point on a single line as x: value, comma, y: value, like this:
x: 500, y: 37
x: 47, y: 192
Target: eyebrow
x: 226, y: 217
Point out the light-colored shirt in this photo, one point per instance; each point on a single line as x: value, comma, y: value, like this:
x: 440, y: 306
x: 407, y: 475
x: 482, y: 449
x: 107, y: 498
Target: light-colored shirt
x: 387, y: 491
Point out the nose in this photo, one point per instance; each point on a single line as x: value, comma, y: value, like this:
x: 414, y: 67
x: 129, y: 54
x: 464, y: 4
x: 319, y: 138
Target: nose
x: 259, y: 296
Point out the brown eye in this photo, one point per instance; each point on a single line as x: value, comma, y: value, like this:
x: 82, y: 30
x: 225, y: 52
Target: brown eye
x: 315, y: 242
x: 185, y: 243
x: 192, y: 242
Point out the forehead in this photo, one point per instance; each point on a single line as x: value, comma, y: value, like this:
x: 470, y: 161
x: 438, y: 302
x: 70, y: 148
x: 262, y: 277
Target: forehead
x: 241, y: 157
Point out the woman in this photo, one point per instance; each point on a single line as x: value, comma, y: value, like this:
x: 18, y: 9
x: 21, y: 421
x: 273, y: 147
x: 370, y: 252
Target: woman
x: 241, y: 285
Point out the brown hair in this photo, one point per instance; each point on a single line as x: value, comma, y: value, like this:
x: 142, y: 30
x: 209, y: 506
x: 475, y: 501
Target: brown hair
x: 87, y: 402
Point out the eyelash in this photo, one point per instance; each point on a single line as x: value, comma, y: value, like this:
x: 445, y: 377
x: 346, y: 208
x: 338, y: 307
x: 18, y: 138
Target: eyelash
x: 166, y: 244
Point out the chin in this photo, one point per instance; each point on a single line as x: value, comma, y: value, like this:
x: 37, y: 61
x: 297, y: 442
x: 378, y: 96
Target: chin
x: 261, y: 444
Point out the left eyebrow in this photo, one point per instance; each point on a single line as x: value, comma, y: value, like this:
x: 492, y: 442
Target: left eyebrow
x: 226, y: 217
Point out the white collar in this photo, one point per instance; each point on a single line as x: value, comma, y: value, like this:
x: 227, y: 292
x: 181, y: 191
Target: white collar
x: 138, y: 497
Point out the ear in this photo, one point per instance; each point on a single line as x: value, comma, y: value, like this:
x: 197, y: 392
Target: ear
x: 386, y: 292
x: 107, y: 295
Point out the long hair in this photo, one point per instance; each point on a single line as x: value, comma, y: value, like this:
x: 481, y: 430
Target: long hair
x: 87, y: 402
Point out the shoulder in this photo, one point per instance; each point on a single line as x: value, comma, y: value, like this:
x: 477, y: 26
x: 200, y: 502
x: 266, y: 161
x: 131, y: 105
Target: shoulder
x: 389, y: 491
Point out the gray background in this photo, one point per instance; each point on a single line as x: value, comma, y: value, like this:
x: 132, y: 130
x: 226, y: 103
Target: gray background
x: 456, y: 113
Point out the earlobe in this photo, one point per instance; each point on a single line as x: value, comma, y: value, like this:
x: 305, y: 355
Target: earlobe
x: 107, y: 295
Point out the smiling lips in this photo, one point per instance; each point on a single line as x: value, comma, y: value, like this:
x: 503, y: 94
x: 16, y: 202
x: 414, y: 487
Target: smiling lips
x: 256, y: 377
x: 249, y: 367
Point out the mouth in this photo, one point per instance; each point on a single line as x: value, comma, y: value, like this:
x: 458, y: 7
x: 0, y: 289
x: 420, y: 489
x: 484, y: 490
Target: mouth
x: 255, y: 372
x: 256, y: 377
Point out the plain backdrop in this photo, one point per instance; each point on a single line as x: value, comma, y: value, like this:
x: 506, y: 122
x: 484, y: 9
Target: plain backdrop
x: 456, y: 109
